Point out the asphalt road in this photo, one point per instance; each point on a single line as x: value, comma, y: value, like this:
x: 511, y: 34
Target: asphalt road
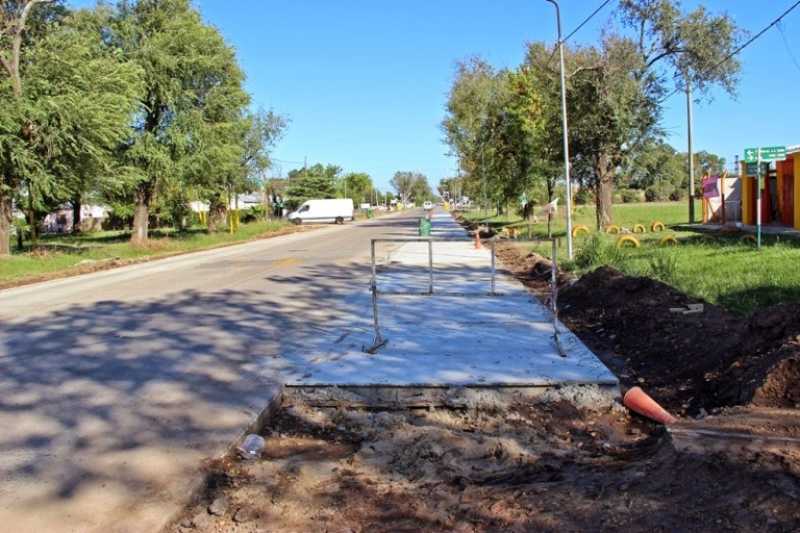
x: 115, y: 386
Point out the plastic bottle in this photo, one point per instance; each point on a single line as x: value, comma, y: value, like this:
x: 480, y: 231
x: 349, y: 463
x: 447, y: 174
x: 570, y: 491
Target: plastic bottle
x: 251, y: 447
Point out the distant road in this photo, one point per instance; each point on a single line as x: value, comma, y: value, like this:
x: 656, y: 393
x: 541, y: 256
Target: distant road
x: 115, y: 385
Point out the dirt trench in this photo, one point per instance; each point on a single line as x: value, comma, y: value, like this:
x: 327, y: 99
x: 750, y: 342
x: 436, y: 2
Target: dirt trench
x: 691, y: 363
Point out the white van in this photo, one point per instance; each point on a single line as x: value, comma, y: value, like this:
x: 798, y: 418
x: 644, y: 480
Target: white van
x: 318, y: 211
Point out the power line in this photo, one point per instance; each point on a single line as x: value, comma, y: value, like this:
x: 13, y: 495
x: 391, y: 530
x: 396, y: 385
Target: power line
x: 788, y: 47
x: 587, y: 19
x: 578, y: 28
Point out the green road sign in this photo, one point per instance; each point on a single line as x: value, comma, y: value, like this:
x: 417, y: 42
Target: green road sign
x: 752, y: 169
x: 768, y: 153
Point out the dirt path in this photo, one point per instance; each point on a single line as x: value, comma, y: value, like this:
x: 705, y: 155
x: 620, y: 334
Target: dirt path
x: 534, y: 468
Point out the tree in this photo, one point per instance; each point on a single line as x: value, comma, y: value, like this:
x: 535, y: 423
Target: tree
x: 617, y: 91
x: 496, y: 125
x: 356, y: 185
x: 317, y: 181
x: 420, y: 189
x: 73, y: 98
x: 14, y: 17
x: 503, y: 125
x: 411, y: 186
x: 189, y: 115
x: 404, y: 183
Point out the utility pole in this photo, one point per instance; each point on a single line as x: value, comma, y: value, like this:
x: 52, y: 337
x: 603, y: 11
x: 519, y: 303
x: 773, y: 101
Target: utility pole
x: 691, y: 151
x: 566, y: 132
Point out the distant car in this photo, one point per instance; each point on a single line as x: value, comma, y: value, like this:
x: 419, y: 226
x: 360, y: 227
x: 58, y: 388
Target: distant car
x: 323, y: 211
x: 428, y: 205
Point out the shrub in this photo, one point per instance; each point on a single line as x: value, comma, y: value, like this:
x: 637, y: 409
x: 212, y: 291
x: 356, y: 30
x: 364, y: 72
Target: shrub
x: 658, y: 193
x: 677, y: 194
x: 597, y: 252
x: 664, y: 266
x: 584, y: 196
x: 253, y: 213
x: 630, y: 196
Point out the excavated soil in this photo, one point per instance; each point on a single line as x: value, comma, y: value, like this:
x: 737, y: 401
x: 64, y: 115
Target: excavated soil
x: 553, y: 466
x: 689, y: 362
x: 546, y: 467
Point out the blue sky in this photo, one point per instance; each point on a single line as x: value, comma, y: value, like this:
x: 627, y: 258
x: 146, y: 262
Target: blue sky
x: 364, y: 82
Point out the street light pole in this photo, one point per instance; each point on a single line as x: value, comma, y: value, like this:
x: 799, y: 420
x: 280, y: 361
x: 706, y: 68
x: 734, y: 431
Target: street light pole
x: 566, y: 132
x: 690, y: 126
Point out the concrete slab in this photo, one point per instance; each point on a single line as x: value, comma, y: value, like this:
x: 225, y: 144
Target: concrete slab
x: 447, y: 340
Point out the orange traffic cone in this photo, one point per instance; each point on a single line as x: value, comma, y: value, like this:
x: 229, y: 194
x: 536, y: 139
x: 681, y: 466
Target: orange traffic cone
x: 477, y: 239
x: 638, y: 401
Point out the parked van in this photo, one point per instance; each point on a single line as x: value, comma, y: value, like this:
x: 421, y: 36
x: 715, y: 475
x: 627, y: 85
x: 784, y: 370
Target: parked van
x: 319, y: 211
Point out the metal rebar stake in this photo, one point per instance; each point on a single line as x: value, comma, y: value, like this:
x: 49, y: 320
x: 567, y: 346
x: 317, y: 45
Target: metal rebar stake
x: 554, y: 298
x: 430, y: 266
x: 494, y: 269
x: 379, y: 341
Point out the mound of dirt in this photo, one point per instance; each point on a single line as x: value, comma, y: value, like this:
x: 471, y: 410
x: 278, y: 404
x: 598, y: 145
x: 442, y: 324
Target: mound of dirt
x: 688, y: 362
x: 630, y: 320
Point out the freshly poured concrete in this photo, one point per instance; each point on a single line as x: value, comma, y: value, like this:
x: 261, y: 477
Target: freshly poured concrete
x: 458, y: 337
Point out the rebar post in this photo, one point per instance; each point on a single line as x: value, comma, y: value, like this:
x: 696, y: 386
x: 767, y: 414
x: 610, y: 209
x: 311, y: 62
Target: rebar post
x: 494, y: 269
x: 430, y: 266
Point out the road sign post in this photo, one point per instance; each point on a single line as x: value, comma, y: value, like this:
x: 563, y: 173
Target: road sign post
x: 757, y: 155
x: 759, y: 196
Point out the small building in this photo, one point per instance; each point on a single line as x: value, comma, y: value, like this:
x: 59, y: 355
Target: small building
x: 60, y: 220
x: 780, y: 196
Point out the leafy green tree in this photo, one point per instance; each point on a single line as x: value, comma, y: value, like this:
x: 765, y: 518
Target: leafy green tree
x: 190, y: 110
x: 356, y: 185
x: 411, y: 186
x: 317, y: 181
x: 403, y: 183
x: 421, y: 189
x: 616, y: 91
x: 73, y: 98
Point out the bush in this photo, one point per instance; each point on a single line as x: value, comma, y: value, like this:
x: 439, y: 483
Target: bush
x: 664, y: 267
x: 631, y: 196
x: 677, y: 194
x: 584, y: 196
x: 596, y: 252
x: 253, y: 213
x: 616, y: 197
x: 658, y: 193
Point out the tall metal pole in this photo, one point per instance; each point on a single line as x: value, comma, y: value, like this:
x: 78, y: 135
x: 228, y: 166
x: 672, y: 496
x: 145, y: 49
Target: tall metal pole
x: 566, y: 132
x: 691, y: 151
x: 759, y: 196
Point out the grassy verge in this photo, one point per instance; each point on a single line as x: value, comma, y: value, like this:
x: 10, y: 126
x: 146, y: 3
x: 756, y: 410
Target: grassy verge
x: 720, y: 269
x: 62, y: 255
x: 626, y: 215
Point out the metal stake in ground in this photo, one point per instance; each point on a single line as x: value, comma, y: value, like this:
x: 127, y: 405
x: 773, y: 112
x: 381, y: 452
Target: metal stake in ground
x: 379, y: 341
x: 554, y: 298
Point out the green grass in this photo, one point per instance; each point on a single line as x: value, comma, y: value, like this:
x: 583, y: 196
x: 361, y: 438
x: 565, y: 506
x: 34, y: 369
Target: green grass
x: 721, y: 270
x: 63, y: 252
x: 626, y: 215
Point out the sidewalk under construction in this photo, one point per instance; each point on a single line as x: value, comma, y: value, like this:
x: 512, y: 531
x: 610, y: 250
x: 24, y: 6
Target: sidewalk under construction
x: 446, y: 328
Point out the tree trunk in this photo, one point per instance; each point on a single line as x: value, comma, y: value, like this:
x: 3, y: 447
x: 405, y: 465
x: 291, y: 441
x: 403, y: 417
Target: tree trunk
x: 216, y: 214
x: 141, y: 215
x: 5, y: 225
x: 76, y: 214
x: 604, y: 192
x: 32, y: 218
